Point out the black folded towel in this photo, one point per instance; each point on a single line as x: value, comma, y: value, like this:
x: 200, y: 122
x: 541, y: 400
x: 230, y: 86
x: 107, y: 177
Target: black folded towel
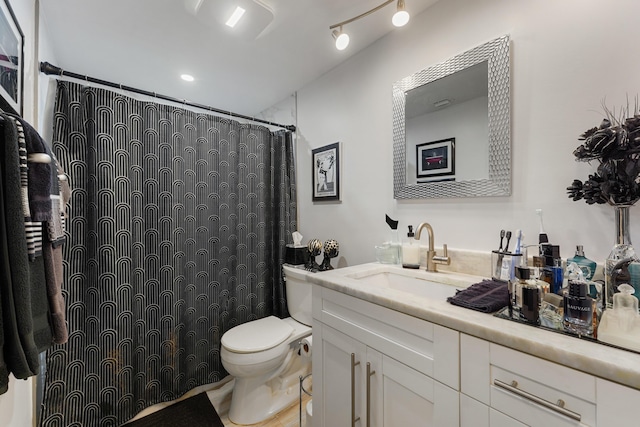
x: 487, y: 296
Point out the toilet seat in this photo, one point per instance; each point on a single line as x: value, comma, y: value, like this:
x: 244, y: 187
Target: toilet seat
x: 256, y: 336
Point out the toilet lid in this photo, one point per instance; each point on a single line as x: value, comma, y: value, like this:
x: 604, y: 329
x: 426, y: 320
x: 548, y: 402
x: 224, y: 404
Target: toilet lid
x: 257, y: 335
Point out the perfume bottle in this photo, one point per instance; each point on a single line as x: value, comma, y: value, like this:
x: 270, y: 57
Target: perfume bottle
x: 587, y: 266
x: 578, y: 308
x: 528, y: 296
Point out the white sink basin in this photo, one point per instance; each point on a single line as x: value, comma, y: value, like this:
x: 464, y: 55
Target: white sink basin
x: 416, y: 282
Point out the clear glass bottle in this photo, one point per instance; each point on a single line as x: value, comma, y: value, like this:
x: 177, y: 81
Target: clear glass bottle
x: 587, y: 266
x: 578, y: 309
x: 622, y: 264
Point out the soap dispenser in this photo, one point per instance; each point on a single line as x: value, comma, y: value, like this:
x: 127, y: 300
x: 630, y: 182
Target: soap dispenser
x: 621, y: 325
x: 411, y: 251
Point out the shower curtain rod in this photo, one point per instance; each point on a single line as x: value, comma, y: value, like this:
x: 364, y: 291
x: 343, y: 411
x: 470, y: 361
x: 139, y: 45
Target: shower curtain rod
x: 48, y: 68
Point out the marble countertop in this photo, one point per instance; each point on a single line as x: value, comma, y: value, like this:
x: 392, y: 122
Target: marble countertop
x: 597, y: 359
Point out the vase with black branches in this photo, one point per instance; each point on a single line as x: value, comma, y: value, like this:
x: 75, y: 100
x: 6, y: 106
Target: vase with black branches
x: 615, y: 146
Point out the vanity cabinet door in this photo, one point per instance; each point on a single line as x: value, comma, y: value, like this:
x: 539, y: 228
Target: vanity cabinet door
x: 338, y: 377
x: 617, y: 404
x: 407, y: 397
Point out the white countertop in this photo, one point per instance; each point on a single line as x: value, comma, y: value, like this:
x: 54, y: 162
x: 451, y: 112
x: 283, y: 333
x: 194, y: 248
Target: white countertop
x: 597, y: 359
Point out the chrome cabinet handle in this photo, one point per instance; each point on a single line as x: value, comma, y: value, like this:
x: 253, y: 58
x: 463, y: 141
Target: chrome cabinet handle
x: 369, y: 374
x: 354, y: 420
x: 559, y: 407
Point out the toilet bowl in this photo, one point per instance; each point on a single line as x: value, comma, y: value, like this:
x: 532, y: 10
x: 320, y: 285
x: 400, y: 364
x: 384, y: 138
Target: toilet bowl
x: 264, y: 357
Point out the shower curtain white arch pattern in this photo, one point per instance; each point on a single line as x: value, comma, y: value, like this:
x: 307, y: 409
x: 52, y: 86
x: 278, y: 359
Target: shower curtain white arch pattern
x: 178, y: 223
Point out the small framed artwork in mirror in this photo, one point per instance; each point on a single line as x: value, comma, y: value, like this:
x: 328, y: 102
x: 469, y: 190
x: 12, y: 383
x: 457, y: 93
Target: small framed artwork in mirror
x: 326, y: 172
x: 436, y: 160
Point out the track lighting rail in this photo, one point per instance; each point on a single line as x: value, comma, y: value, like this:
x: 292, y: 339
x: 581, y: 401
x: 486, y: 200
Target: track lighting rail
x: 400, y: 18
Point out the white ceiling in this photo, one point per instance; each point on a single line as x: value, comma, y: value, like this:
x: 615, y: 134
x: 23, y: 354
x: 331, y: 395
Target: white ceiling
x: 147, y: 44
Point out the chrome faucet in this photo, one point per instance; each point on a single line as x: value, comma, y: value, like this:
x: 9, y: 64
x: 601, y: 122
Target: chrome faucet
x: 432, y: 258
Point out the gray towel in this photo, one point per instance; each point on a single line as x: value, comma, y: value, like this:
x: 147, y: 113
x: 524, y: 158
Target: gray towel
x: 486, y: 296
x: 25, y: 307
x: 16, y: 302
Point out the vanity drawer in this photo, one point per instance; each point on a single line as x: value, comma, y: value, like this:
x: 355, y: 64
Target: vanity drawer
x: 533, y: 391
x: 426, y: 347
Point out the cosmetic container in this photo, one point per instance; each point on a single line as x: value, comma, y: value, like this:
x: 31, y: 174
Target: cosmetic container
x: 587, y: 266
x: 528, y: 296
x: 620, y: 325
x: 578, y: 308
x: 551, y: 312
x: 502, y: 265
x: 411, y: 251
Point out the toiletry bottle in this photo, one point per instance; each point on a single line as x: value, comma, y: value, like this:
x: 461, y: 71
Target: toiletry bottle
x: 578, y: 307
x: 588, y: 267
x: 514, y: 311
x: 393, y: 245
x: 529, y: 290
x: 620, y: 325
x: 411, y: 251
x: 557, y: 276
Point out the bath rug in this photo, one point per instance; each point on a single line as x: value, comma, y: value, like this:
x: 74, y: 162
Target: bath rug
x: 196, y: 411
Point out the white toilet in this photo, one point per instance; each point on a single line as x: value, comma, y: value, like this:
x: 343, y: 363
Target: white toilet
x: 263, y: 356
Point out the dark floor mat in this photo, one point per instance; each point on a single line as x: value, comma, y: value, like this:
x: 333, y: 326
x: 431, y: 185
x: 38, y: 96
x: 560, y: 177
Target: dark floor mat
x: 196, y: 411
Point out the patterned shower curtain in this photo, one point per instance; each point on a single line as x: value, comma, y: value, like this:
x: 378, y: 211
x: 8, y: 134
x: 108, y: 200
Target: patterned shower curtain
x: 177, y: 228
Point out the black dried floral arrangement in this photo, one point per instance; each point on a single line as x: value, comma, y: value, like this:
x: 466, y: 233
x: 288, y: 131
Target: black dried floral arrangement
x: 616, y: 146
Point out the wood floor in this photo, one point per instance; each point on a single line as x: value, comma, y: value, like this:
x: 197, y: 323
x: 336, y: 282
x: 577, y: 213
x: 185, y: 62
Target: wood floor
x: 288, y: 418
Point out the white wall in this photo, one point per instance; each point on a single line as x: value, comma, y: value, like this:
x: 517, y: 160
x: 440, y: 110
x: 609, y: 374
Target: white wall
x: 566, y: 56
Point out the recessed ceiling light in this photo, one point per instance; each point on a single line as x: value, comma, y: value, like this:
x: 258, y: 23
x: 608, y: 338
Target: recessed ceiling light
x: 187, y: 77
x: 235, y: 17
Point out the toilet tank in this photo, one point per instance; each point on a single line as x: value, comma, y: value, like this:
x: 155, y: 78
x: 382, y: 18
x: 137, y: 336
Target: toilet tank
x: 298, y: 294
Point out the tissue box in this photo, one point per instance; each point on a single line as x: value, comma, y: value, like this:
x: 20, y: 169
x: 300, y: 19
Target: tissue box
x: 296, y: 254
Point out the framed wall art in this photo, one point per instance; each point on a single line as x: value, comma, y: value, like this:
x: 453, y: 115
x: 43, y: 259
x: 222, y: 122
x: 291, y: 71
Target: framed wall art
x: 326, y: 172
x: 11, y: 60
x: 436, y: 159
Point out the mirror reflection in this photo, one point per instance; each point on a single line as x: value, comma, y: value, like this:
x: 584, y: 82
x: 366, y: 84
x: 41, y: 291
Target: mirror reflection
x: 433, y: 113
x: 451, y: 127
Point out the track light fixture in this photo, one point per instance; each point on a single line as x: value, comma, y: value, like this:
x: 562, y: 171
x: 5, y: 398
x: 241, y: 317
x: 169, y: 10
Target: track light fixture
x: 342, y: 39
x: 400, y: 18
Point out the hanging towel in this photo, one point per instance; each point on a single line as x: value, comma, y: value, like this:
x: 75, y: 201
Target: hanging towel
x: 60, y: 195
x: 486, y: 296
x: 16, y: 263
x: 5, y: 281
x: 52, y: 254
x: 32, y: 229
x: 25, y: 307
x: 39, y: 174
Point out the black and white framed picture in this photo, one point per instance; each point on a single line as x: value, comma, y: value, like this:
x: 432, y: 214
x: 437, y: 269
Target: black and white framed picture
x: 436, y: 159
x: 11, y: 60
x: 326, y: 172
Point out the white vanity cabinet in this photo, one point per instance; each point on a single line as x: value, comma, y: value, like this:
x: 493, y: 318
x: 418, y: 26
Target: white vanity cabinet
x: 376, y: 367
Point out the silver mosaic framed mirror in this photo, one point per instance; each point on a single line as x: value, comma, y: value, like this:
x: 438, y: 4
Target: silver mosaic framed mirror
x: 465, y: 99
